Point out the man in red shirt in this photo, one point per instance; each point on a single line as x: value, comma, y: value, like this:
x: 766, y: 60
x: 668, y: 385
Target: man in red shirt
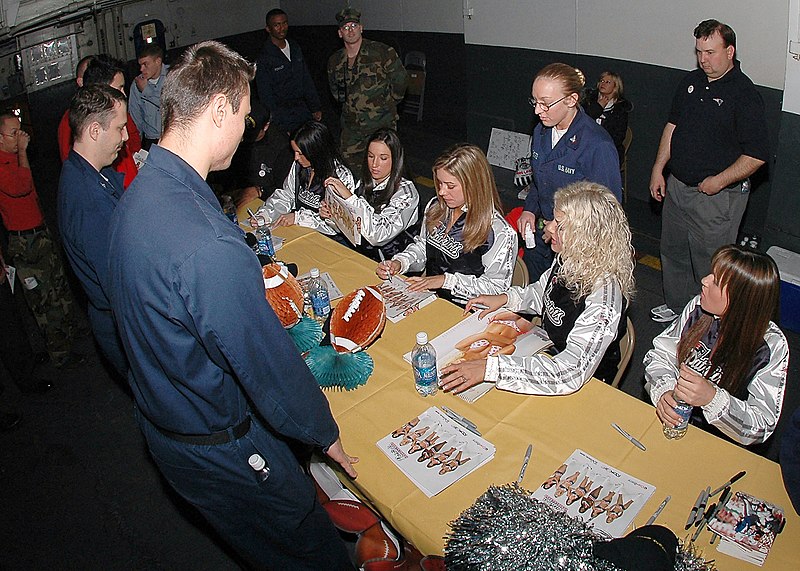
x: 31, y: 248
x: 105, y: 70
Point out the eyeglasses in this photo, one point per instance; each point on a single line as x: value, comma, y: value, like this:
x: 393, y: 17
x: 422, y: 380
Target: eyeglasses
x: 545, y: 106
x: 350, y: 27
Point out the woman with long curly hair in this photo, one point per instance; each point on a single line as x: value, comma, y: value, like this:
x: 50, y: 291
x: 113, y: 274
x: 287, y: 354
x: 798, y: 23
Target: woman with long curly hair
x: 724, y: 355
x: 465, y: 246
x: 582, y: 300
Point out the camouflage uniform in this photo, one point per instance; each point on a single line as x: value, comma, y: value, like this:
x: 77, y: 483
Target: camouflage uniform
x: 369, y: 93
x: 46, y: 290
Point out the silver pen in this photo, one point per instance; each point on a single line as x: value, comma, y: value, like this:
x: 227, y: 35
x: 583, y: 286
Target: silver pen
x: 635, y: 442
x: 658, y: 511
x: 387, y: 268
x: 525, y: 464
x: 465, y: 422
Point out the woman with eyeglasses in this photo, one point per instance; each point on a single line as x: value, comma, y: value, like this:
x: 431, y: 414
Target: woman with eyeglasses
x: 607, y: 105
x: 582, y: 299
x: 724, y: 355
x: 567, y: 146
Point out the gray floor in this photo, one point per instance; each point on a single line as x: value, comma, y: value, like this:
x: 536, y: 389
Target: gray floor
x: 78, y: 490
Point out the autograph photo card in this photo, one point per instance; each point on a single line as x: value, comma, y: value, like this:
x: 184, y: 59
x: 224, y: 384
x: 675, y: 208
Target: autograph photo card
x: 600, y: 495
x: 435, y: 451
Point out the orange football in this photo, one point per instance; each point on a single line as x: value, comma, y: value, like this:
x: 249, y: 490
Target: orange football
x: 358, y: 320
x: 283, y: 293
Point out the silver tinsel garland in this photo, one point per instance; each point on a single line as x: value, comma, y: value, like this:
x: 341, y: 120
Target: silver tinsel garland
x: 508, y: 530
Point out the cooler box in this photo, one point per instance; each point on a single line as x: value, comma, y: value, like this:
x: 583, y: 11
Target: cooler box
x: 789, y: 266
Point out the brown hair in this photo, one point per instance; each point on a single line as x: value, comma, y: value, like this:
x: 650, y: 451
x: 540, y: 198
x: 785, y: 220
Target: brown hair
x: 202, y: 71
x: 570, y: 77
x: 94, y: 102
x: 706, y: 29
x: 752, y: 284
x: 469, y: 165
x: 151, y: 50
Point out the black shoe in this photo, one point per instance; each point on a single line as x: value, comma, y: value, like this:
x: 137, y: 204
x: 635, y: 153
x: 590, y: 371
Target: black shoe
x: 71, y: 361
x: 9, y: 420
x: 38, y: 386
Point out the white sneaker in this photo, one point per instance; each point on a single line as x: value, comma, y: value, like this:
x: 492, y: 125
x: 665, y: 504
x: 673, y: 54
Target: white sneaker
x: 659, y: 309
x: 663, y: 314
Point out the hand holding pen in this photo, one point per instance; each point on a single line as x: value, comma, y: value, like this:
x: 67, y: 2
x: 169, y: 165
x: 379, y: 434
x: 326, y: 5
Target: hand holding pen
x: 486, y: 303
x: 387, y: 268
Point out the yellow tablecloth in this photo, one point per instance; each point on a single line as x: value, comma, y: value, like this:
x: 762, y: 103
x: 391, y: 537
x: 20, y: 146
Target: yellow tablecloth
x: 555, y: 425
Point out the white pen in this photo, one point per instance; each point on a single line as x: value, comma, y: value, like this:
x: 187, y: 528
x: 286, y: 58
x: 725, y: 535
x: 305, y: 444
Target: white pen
x: 525, y: 463
x: 635, y: 442
x: 658, y: 511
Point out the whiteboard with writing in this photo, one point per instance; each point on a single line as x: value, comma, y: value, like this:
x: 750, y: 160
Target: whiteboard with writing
x: 505, y: 147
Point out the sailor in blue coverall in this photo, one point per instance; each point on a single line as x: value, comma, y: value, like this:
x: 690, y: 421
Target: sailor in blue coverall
x: 583, y: 150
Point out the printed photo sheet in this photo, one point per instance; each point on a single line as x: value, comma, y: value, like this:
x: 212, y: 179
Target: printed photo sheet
x: 602, y: 496
x: 434, y: 451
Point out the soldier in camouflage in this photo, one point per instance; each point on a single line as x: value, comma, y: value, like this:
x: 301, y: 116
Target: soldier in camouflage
x: 33, y: 251
x: 369, y: 80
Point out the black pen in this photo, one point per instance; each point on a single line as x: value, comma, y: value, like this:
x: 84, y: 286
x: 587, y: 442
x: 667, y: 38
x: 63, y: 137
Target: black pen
x: 730, y: 482
x: 693, y: 512
x: 705, y: 519
x: 723, y: 500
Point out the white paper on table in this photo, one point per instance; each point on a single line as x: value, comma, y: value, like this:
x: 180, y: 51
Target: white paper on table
x: 347, y: 219
x: 526, y: 344
x: 624, y: 487
x: 432, y: 445
x: 333, y: 290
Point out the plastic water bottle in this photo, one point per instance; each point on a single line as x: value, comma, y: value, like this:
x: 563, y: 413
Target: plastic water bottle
x: 265, y: 247
x: 320, y: 300
x: 260, y: 466
x: 685, y: 412
x: 229, y: 208
x: 423, y: 361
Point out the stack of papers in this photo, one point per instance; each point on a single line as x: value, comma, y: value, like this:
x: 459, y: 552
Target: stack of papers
x: 447, y: 350
x: 748, y: 527
x: 346, y: 218
x: 435, y: 451
x: 605, y: 498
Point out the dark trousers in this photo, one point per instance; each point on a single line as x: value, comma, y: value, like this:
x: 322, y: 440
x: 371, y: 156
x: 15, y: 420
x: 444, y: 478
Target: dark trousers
x: 105, y: 333
x: 16, y: 353
x: 538, y: 259
x: 693, y: 227
x: 274, y: 524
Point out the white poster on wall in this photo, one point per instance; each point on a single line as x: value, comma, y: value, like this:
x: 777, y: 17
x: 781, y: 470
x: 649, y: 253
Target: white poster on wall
x: 791, y: 92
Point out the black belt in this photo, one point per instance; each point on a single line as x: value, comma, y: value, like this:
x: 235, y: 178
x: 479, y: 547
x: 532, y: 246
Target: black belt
x: 213, y: 439
x: 28, y: 232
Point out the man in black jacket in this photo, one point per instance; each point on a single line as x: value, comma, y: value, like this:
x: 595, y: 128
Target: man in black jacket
x: 284, y: 83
